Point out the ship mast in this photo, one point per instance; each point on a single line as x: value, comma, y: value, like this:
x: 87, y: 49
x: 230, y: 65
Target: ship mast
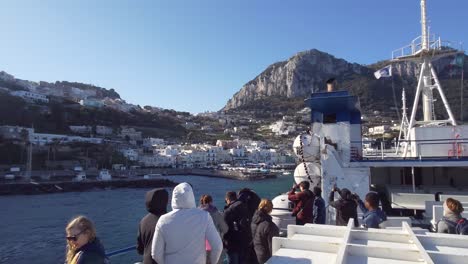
x: 423, y: 50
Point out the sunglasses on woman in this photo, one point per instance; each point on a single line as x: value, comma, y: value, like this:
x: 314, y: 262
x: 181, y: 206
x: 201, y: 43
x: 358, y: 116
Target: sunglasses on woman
x: 74, y: 237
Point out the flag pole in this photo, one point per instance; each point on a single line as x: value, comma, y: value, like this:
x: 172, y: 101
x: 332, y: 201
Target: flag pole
x: 461, y: 90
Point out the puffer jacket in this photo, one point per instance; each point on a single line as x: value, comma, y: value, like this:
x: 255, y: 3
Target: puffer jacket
x: 444, y: 227
x: 156, y: 204
x: 263, y: 231
x: 181, y: 234
x: 91, y: 253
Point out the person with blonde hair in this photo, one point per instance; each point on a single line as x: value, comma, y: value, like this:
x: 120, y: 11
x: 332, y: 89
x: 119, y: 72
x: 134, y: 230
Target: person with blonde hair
x: 452, y: 220
x: 263, y: 230
x: 83, y: 247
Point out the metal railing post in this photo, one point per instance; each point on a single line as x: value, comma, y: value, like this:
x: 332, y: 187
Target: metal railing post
x: 381, y: 149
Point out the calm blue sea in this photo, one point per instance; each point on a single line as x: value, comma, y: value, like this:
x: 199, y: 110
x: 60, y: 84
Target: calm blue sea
x: 32, y: 228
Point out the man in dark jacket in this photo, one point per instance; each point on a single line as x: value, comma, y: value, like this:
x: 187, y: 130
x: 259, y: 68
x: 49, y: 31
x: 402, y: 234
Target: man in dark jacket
x: 250, y: 198
x: 238, y: 237
x: 319, y: 213
x: 263, y: 231
x: 346, y: 207
x: 303, y: 203
x: 156, y: 204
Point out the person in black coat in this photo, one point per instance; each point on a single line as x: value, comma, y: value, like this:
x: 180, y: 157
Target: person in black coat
x: 238, y: 238
x: 263, y: 231
x: 156, y: 204
x: 346, y: 207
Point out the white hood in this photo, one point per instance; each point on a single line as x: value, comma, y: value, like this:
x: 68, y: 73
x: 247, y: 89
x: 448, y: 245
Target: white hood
x: 180, y: 235
x: 182, y: 197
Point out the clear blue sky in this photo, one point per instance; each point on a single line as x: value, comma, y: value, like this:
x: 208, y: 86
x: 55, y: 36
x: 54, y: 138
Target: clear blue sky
x: 193, y: 55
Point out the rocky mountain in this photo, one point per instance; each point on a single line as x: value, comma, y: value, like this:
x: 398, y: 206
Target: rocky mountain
x: 302, y: 74
x: 306, y: 73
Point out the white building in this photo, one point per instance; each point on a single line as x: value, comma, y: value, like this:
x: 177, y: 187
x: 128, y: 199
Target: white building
x: 131, y: 133
x: 281, y: 128
x: 104, y: 130
x: 152, y: 142
x: 81, y: 129
x: 194, y: 159
x: 91, y: 103
x: 15, y: 132
x: 43, y: 139
x: 130, y: 154
x: 237, y: 152
x: 30, y: 96
x: 157, y: 161
x: 379, y: 130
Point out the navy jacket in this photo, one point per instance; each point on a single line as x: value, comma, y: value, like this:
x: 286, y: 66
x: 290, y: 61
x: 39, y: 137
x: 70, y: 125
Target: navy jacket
x: 319, y: 213
x: 92, y: 253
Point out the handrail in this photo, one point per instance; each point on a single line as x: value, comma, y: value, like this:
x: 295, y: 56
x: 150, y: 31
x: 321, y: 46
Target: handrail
x: 121, y: 251
x: 416, y: 140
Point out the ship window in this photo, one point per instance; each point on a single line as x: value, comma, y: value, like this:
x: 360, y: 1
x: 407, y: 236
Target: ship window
x: 329, y: 119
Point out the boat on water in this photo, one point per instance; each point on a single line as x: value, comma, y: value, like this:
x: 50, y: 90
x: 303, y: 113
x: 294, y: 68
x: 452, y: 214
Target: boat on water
x: 151, y: 176
x: 80, y: 176
x: 426, y: 165
x: 104, y: 175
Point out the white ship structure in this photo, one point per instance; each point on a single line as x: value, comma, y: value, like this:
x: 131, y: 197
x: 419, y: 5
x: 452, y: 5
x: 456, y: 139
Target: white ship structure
x: 428, y: 164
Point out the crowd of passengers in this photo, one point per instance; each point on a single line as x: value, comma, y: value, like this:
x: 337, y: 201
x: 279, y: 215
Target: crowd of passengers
x: 242, y: 233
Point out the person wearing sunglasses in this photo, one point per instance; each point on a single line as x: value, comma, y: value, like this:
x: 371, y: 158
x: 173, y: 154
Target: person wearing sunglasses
x: 83, y: 247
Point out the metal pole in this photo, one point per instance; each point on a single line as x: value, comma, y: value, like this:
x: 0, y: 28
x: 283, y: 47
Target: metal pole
x: 415, y: 104
x: 412, y: 176
x: 461, y: 91
x: 442, y: 95
x: 381, y: 148
x: 424, y: 37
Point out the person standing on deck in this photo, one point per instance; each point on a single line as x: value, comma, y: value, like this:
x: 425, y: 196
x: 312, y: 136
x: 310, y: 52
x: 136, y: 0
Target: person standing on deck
x: 345, y: 207
x: 263, y: 231
x: 239, y: 237
x: 181, y: 234
x: 319, y: 212
x: 372, y: 216
x: 303, y: 203
x: 156, y: 204
x: 206, y: 204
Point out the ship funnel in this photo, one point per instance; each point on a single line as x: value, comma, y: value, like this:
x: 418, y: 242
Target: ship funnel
x: 331, y: 85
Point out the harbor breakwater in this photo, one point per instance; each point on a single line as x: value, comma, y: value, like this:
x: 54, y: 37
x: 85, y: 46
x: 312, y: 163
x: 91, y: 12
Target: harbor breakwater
x: 40, y: 187
x: 62, y: 181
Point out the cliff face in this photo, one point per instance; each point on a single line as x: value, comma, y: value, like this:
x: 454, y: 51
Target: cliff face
x: 304, y: 73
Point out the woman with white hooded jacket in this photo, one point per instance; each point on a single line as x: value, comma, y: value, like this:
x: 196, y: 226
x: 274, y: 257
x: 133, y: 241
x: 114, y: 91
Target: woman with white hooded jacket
x: 180, y: 235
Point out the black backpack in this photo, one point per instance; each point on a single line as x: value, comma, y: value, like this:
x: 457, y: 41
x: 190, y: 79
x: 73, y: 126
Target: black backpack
x: 460, y: 227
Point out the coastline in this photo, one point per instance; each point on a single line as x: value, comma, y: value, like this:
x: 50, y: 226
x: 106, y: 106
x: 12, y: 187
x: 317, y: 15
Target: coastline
x: 60, y: 183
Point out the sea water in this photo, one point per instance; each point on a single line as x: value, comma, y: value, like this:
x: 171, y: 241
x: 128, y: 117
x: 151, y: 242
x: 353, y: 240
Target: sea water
x: 32, y: 227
